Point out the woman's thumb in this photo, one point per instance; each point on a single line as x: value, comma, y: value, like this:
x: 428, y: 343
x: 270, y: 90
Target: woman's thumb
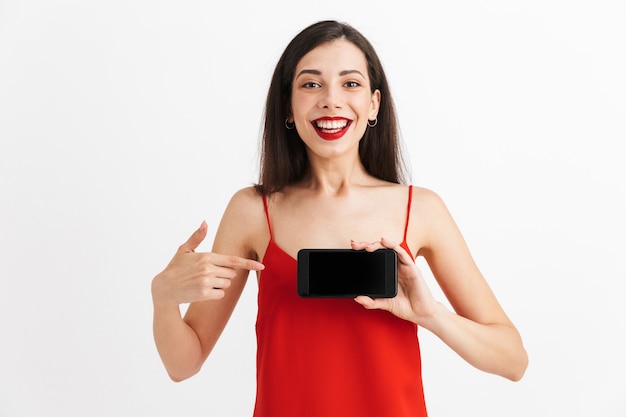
x: 195, y: 239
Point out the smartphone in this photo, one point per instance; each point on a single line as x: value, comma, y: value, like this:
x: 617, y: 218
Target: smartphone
x: 347, y: 273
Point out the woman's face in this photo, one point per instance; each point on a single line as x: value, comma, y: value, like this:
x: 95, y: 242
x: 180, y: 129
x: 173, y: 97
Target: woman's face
x: 332, y: 100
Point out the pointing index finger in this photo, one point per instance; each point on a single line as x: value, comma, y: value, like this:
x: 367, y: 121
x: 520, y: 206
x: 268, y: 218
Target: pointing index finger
x: 238, y: 262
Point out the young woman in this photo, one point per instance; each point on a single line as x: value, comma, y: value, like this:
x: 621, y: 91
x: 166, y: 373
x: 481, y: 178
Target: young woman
x: 332, y: 177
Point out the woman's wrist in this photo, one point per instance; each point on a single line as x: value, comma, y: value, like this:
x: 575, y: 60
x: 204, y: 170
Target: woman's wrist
x: 434, y: 319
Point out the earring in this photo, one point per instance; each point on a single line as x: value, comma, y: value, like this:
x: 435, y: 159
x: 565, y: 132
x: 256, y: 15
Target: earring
x: 289, y: 125
x: 372, y: 123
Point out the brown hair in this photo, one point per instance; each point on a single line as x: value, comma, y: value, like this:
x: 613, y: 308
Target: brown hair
x: 284, y: 159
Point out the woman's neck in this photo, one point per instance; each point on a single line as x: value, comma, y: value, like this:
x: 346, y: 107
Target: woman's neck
x: 333, y: 177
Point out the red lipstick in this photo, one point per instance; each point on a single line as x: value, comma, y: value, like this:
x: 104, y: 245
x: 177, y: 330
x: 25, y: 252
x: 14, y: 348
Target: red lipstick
x: 331, y: 128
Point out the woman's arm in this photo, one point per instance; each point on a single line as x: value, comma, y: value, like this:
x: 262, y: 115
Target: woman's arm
x: 211, y: 282
x: 478, y: 329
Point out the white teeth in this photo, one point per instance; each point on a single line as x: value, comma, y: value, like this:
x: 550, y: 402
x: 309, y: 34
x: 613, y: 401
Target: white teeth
x: 331, y: 124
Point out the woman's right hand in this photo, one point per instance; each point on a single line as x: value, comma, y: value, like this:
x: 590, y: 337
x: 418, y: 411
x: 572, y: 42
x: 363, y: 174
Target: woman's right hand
x: 192, y: 276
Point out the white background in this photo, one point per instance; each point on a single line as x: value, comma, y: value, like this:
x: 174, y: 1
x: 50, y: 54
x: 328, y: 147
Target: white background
x: 125, y: 123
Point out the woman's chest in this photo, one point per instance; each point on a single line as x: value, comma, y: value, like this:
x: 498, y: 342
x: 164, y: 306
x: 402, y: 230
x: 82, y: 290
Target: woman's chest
x: 335, y: 227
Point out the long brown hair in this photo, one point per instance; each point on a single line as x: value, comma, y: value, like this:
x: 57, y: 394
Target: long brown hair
x: 284, y: 159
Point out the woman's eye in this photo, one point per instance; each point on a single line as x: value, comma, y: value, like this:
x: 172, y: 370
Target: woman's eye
x: 352, y: 84
x: 311, y: 84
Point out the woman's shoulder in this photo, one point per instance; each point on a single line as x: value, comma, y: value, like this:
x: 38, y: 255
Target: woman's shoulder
x: 424, y: 202
x: 426, y: 196
x: 246, y: 195
x: 428, y: 206
x: 244, y: 218
x: 245, y: 207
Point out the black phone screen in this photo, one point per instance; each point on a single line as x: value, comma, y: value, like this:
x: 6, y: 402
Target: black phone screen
x: 347, y: 273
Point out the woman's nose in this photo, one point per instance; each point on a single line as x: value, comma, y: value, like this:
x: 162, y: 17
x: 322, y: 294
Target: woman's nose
x: 332, y: 98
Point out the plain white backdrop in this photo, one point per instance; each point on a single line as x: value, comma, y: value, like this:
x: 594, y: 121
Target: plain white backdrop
x: 124, y: 124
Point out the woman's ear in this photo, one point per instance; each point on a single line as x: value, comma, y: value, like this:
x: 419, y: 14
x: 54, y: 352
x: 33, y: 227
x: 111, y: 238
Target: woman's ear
x: 375, y: 105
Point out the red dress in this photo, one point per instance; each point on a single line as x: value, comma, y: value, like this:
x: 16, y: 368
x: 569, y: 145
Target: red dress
x: 331, y: 357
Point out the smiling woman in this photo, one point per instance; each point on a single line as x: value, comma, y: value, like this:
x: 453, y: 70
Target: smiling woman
x: 332, y: 177
x: 333, y: 99
x: 379, y: 149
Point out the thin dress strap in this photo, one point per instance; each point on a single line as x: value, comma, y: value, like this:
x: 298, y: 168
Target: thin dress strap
x: 408, y: 212
x: 404, y: 243
x: 267, y: 215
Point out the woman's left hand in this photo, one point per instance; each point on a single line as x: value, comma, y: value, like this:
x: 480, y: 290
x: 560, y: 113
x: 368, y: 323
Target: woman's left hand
x: 414, y: 301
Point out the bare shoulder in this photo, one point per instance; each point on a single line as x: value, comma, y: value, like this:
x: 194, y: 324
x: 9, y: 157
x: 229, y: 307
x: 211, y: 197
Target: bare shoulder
x: 243, y: 225
x: 244, y: 199
x: 430, y: 219
x: 427, y: 202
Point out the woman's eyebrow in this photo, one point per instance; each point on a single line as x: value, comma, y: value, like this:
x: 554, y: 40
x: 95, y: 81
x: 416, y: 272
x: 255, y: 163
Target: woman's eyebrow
x: 309, y: 71
x: 318, y: 72
x: 347, y: 72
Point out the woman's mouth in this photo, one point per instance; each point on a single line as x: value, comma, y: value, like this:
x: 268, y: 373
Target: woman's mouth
x: 331, y: 128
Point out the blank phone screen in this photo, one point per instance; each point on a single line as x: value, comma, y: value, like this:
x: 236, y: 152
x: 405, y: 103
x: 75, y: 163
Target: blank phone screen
x: 355, y: 272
